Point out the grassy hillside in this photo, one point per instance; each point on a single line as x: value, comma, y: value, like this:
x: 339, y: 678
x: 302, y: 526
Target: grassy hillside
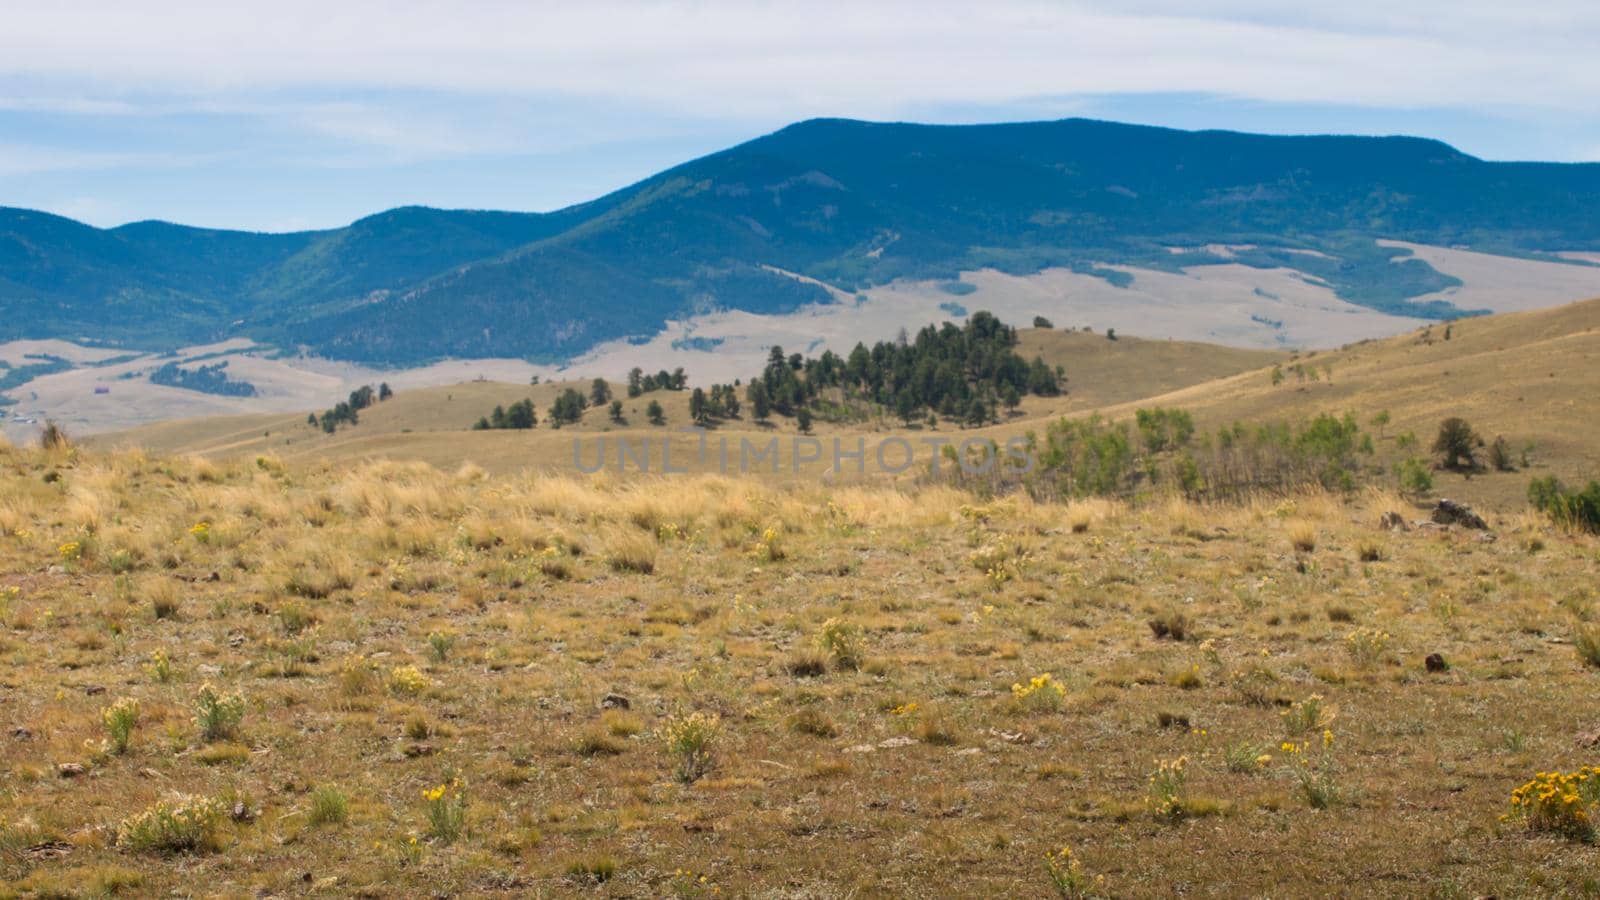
x: 392, y: 680
x: 849, y: 204
x: 1529, y: 377
x: 1526, y: 377
x: 430, y: 424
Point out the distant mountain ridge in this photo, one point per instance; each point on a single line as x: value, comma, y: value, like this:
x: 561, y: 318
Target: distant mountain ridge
x: 851, y: 204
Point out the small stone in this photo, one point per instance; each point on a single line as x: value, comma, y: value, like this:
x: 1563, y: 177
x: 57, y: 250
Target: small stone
x: 1393, y: 521
x: 94, y: 690
x: 415, y: 751
x: 860, y: 748
x: 22, y: 734
x: 242, y: 813
x: 901, y: 741
x: 615, y: 701
x: 70, y: 770
x: 1436, y: 663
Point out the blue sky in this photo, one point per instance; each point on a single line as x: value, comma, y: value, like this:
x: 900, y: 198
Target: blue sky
x: 319, y: 113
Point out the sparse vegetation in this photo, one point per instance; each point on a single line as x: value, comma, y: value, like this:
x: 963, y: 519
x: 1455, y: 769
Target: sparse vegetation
x: 798, y: 657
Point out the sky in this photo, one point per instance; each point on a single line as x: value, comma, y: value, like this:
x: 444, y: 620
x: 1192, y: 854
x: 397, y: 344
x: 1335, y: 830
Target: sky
x: 298, y: 114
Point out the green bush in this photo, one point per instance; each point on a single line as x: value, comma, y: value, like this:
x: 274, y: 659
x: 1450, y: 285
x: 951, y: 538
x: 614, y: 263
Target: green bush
x: 1574, y: 509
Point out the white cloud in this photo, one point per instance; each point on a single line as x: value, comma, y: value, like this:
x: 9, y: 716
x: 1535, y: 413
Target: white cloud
x: 788, y: 60
x: 26, y: 159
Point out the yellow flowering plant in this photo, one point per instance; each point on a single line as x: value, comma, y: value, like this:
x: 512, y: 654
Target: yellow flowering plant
x: 1169, y: 788
x: 689, y: 739
x: 1559, y: 802
x: 1367, y: 646
x: 446, y: 809
x: 1314, y: 769
x: 1068, y: 877
x: 182, y: 825
x: 120, y: 718
x: 1042, y: 693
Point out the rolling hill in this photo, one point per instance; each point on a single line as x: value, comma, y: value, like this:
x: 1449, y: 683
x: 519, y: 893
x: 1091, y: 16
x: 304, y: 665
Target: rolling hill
x: 810, y: 213
x: 1524, y: 376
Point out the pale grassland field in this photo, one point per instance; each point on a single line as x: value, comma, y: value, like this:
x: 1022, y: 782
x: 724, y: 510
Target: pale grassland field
x: 389, y: 679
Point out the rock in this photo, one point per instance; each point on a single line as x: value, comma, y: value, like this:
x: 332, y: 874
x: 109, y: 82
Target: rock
x: 1010, y: 737
x: 1590, y: 739
x: 70, y: 770
x: 860, y: 748
x: 1393, y: 521
x: 615, y: 701
x: 94, y: 690
x: 419, y: 750
x: 22, y: 734
x: 901, y: 741
x: 49, y: 850
x: 1435, y: 663
x: 1449, y: 512
x: 242, y: 813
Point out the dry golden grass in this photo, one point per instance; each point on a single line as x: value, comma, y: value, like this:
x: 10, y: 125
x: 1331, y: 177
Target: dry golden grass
x: 866, y: 663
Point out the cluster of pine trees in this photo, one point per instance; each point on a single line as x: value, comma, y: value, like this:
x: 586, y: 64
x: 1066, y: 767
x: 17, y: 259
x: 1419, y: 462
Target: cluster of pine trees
x: 966, y: 374
x: 211, y: 379
x: 519, y: 416
x: 348, y: 412
x: 721, y: 402
x: 640, y: 383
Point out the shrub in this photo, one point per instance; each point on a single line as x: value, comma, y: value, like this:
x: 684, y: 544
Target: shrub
x: 814, y: 722
x: 1042, y: 693
x: 689, y: 740
x: 1414, y: 476
x: 1366, y: 645
x: 1559, y: 803
x: 407, y: 681
x: 840, y: 641
x: 1170, y: 624
x: 440, y: 645
x: 1572, y: 509
x: 593, y: 870
x: 631, y: 553
x: 358, y: 676
x: 217, y: 715
x: 329, y: 805
x: 1500, y: 456
x: 806, y: 664
x: 1587, y: 643
x: 120, y: 719
x: 1302, y: 536
x: 1306, y: 715
x: 178, y: 826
